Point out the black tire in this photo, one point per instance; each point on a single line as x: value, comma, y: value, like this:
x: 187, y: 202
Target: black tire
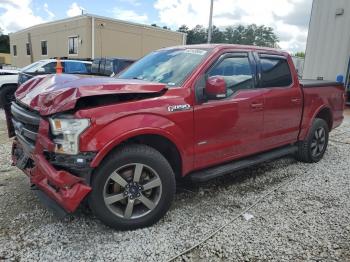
x: 129, y: 155
x: 7, y: 95
x: 306, y: 151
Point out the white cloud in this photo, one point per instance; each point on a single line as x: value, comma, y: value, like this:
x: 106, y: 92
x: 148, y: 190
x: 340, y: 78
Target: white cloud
x: 74, y: 10
x: 18, y: 15
x: 49, y: 13
x: 129, y: 15
x: 131, y: 2
x: 287, y: 17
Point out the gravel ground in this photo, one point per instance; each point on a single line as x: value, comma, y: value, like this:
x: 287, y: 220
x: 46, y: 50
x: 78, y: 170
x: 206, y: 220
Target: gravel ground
x: 306, y: 218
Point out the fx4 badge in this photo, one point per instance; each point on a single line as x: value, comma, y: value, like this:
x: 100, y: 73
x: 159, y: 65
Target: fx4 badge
x: 175, y: 108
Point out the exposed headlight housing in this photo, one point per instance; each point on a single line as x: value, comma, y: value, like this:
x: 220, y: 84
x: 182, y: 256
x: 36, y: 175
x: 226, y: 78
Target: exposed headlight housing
x: 67, y: 132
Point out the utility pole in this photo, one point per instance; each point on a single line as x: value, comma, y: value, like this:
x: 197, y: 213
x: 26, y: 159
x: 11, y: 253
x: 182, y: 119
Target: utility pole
x: 210, y: 28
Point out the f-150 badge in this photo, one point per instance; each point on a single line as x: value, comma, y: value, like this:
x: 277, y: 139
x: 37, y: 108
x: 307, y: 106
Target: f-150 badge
x: 175, y: 108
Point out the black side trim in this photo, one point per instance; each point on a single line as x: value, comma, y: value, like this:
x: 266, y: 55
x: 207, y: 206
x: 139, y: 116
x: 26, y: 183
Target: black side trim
x: 273, y: 56
x: 308, y: 83
x: 213, y: 172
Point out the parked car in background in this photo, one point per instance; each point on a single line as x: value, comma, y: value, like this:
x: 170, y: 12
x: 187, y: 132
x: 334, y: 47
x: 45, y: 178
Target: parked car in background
x: 199, y: 111
x: 8, y: 85
x: 48, y: 66
x: 8, y: 72
x: 11, y: 79
x: 109, y: 66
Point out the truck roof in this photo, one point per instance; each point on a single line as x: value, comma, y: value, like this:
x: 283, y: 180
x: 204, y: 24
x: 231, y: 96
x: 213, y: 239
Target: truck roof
x: 230, y: 46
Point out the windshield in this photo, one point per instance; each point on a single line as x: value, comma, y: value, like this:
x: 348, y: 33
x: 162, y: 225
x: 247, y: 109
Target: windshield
x: 33, y: 67
x: 170, y: 67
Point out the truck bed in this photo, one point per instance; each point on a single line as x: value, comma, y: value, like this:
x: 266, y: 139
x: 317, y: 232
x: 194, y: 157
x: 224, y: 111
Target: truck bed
x: 319, y: 94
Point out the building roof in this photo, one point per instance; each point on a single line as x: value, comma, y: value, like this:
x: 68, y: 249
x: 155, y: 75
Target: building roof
x: 69, y: 19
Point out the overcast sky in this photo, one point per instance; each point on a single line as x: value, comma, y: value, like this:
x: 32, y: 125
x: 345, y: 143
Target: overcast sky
x: 289, y: 18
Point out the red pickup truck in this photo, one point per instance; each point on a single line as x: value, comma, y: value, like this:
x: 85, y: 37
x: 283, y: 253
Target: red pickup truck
x: 203, y: 111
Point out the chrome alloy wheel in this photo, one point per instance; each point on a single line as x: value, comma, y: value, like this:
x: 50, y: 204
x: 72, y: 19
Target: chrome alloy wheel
x: 132, y: 191
x: 318, y: 142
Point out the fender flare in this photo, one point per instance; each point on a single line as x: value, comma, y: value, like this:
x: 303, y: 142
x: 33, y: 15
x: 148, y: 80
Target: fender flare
x: 134, y: 132
x: 308, y: 125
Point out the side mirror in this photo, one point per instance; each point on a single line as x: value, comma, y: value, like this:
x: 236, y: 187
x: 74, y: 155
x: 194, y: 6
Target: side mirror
x: 215, y: 87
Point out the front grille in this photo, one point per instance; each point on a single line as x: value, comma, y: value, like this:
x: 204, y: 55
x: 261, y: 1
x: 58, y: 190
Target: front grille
x: 26, y: 125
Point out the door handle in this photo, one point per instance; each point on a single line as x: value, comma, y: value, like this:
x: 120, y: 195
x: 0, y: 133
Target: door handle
x: 257, y: 105
x: 295, y: 100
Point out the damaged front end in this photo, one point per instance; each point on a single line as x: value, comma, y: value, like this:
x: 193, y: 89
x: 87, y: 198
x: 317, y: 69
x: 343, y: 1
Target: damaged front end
x: 34, y: 153
x: 47, y: 132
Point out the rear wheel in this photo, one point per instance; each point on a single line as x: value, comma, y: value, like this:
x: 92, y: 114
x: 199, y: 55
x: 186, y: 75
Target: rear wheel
x: 313, y: 148
x: 133, y: 188
x: 7, y: 95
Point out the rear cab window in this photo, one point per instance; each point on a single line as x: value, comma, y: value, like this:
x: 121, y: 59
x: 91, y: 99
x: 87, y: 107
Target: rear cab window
x: 275, y: 71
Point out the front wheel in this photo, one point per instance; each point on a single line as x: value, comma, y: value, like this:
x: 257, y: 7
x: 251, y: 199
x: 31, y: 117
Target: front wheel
x: 133, y: 188
x: 312, y: 149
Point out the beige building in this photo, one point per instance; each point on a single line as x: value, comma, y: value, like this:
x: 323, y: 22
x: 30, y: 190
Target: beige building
x: 5, y: 59
x: 89, y: 36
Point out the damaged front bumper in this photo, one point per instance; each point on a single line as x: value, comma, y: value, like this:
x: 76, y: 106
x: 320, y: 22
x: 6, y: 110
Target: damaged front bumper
x: 67, y: 189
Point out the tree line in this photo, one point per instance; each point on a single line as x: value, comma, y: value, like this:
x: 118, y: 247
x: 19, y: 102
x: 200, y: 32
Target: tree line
x: 240, y: 34
x: 4, y: 43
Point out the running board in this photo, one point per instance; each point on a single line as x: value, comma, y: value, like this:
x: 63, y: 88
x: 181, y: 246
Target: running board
x: 217, y: 171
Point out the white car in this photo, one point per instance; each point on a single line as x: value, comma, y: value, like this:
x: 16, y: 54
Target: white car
x: 10, y: 79
x: 8, y: 85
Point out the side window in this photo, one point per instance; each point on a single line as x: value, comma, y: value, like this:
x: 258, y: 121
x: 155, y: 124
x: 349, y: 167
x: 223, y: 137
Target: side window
x: 275, y: 72
x: 43, y: 47
x: 75, y: 68
x: 28, y: 48
x: 50, y: 68
x: 73, y: 45
x: 237, y: 73
x: 14, y: 47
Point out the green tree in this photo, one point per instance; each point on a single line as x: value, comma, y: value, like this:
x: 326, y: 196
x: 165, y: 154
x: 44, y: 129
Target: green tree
x: 217, y: 35
x: 246, y: 35
x: 197, y: 35
x: 300, y: 54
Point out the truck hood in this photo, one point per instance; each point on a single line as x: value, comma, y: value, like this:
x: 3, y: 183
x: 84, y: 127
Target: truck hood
x: 57, y: 93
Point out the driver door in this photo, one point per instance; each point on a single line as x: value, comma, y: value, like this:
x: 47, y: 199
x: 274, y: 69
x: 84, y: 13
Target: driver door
x: 230, y: 127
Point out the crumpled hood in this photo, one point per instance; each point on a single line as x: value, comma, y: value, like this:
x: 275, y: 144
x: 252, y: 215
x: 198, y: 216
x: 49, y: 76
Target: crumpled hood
x: 57, y: 93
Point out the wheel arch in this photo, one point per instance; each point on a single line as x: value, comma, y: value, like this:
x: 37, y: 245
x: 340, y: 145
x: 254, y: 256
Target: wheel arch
x: 159, y: 140
x: 325, y: 113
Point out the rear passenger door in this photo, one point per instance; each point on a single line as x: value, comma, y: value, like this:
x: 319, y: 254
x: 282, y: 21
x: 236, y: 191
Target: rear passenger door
x: 282, y: 101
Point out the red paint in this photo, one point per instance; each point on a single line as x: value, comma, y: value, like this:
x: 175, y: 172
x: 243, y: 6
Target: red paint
x: 207, y: 133
x: 66, y: 189
x: 58, y: 93
x: 215, y: 86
